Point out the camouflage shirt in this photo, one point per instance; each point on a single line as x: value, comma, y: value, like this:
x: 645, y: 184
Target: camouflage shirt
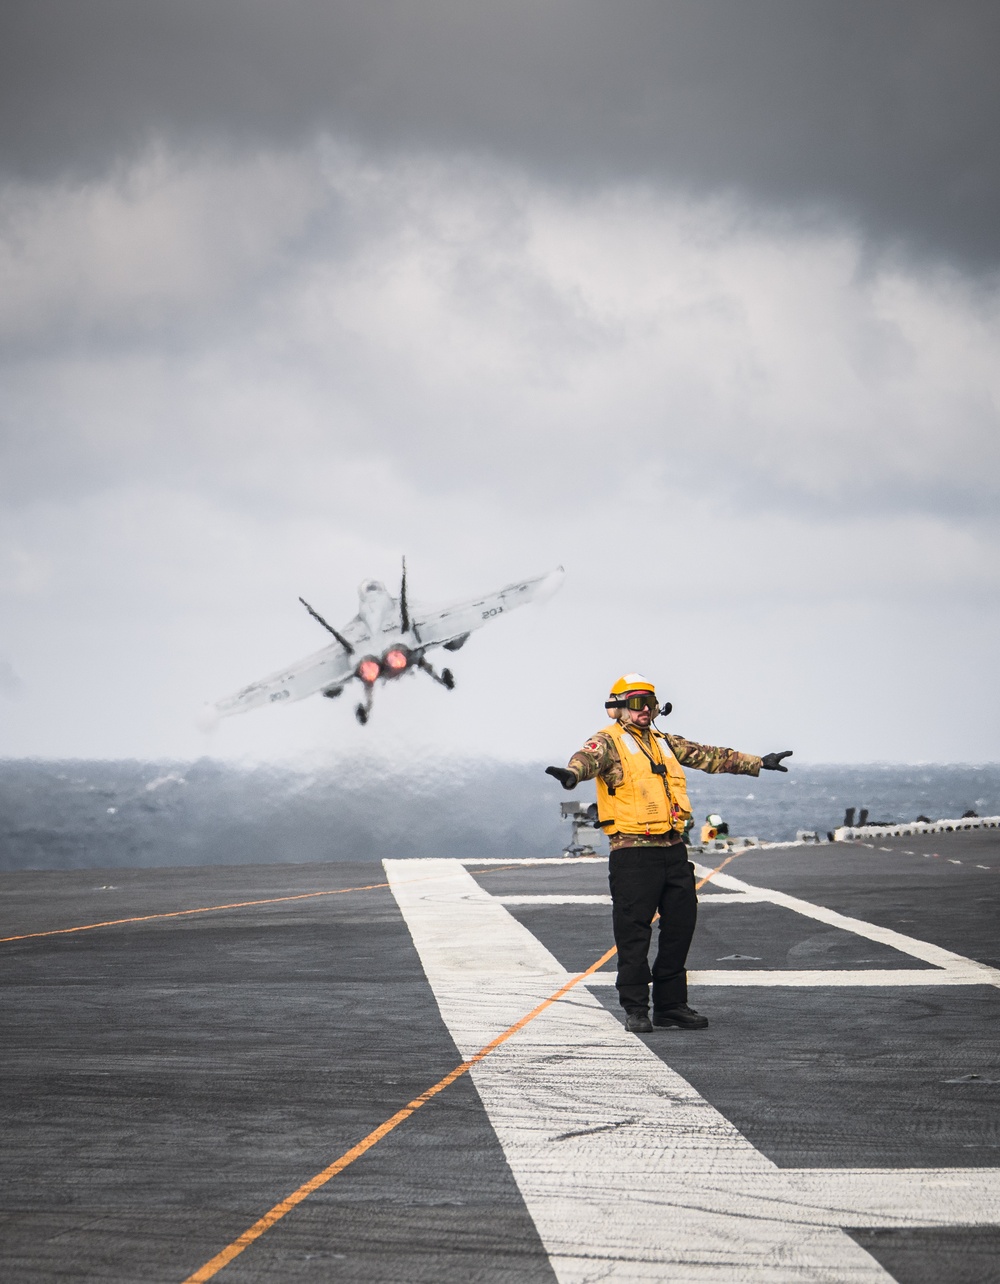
x: 599, y: 757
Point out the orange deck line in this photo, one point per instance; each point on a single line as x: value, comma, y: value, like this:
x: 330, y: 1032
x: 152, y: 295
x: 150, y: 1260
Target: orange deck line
x: 280, y: 1210
x: 209, y: 909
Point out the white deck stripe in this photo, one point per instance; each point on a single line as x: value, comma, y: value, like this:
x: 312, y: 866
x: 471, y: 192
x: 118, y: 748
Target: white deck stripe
x: 559, y: 898
x: 533, y: 860
x: 707, y: 898
x: 628, y: 1173
x: 554, y: 900
x: 973, y: 971
x: 914, y: 976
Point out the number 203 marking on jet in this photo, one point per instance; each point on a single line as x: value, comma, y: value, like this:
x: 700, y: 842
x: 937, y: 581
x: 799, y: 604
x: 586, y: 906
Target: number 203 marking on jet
x: 387, y: 638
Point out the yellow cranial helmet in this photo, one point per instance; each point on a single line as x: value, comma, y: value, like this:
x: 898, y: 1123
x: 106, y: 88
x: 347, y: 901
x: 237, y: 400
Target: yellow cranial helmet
x: 631, y: 691
x: 632, y: 682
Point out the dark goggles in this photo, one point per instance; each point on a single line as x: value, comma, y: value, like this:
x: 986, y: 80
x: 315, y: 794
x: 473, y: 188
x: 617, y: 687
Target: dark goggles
x: 643, y: 700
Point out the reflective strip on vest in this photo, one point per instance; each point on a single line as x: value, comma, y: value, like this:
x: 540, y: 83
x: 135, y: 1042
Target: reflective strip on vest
x: 644, y: 803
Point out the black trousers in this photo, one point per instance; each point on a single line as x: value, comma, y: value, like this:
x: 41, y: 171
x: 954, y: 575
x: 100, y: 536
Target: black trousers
x: 645, y: 880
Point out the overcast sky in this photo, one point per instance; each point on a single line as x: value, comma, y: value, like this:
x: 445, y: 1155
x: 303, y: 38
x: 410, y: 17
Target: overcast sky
x: 699, y: 300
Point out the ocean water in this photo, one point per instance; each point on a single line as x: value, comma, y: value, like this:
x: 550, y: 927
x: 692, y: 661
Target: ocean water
x: 91, y: 814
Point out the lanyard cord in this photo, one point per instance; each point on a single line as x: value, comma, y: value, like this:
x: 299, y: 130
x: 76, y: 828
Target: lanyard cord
x: 662, y: 773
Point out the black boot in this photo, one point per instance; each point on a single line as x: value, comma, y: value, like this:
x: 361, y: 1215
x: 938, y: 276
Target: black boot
x: 637, y: 1022
x: 680, y: 1015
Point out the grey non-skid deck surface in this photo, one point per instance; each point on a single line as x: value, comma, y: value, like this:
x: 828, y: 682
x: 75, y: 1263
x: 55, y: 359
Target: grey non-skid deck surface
x: 165, y: 1083
x: 828, y: 1077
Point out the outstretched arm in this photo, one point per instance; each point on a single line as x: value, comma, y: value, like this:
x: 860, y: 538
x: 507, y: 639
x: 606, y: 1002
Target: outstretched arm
x: 714, y: 758
x: 597, y: 758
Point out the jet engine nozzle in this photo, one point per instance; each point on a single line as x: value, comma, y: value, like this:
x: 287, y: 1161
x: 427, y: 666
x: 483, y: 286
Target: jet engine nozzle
x: 368, y: 670
x: 395, y: 661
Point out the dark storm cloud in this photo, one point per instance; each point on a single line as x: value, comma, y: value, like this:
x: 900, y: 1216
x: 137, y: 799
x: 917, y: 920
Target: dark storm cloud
x: 882, y: 111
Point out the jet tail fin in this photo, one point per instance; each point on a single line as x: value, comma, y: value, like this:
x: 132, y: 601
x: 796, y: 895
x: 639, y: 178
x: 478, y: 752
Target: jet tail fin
x: 329, y: 627
x: 404, y: 612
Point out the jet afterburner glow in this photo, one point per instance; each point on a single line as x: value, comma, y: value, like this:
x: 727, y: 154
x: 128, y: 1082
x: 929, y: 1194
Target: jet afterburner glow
x: 399, y: 631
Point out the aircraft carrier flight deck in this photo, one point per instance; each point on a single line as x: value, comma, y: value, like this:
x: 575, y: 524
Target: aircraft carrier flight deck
x: 393, y: 1072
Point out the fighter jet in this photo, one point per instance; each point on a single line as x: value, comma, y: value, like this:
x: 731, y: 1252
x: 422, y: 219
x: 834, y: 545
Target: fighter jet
x: 385, y: 640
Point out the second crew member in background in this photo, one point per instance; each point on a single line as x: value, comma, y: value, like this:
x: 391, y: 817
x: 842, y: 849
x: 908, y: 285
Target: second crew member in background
x: 714, y: 827
x: 642, y: 805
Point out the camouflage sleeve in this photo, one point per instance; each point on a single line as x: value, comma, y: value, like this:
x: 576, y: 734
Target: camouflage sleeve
x: 598, y: 757
x: 712, y: 758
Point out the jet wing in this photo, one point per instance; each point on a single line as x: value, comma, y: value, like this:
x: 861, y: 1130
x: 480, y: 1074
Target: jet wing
x: 322, y: 669
x: 437, y: 627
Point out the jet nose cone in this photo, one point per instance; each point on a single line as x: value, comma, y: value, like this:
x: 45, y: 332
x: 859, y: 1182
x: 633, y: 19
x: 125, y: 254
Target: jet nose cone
x: 550, y: 585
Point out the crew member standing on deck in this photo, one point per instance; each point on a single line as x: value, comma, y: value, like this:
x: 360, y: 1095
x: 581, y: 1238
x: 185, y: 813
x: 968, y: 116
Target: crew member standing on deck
x: 642, y: 804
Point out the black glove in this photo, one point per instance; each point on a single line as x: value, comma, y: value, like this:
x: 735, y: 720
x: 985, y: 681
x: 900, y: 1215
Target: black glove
x: 565, y: 777
x: 772, y: 761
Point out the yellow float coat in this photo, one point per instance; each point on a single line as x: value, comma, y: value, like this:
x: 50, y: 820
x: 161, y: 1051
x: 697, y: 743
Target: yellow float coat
x: 644, y: 803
